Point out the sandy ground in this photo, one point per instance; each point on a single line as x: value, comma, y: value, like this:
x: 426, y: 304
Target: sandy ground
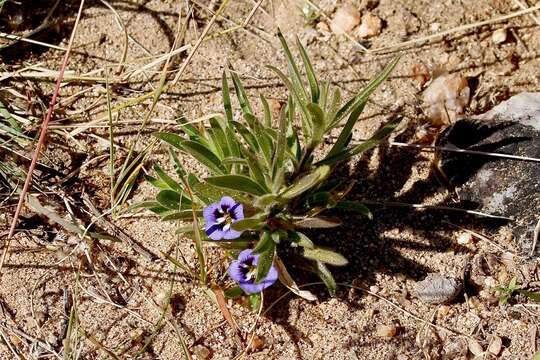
x: 118, y: 292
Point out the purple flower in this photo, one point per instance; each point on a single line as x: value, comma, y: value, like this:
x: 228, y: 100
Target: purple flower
x: 218, y: 218
x: 244, y: 271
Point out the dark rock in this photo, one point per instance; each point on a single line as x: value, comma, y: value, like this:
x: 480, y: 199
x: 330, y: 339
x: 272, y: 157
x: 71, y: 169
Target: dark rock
x: 499, y: 186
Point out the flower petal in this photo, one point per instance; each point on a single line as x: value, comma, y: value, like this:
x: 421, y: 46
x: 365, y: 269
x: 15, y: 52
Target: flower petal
x: 270, y: 278
x: 231, y: 234
x: 226, y: 203
x: 245, y: 255
x: 237, y: 211
x: 251, y: 288
x: 235, y: 272
x: 209, y: 214
x: 215, y: 232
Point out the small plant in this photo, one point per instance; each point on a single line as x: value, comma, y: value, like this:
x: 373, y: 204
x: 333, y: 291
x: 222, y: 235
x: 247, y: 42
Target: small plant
x: 269, y: 180
x: 513, y: 288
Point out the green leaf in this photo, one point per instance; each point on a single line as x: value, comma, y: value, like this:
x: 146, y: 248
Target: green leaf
x: 247, y: 135
x: 293, y: 68
x: 333, y: 109
x: 312, y: 78
x: 240, y: 92
x: 281, y: 142
x: 306, y: 183
x: 318, y: 125
x: 326, y: 276
x: 218, y: 138
x: 300, y: 239
x: 173, y: 200
x: 355, y: 206
x: 171, y: 183
x: 212, y: 193
x: 325, y: 256
x: 367, y: 91
x: 158, y: 183
x: 512, y: 285
x: 306, y: 125
x: 233, y: 292
x: 534, y: 296
x: 258, y: 172
x: 237, y: 182
x: 255, y: 301
x: 195, y: 149
x: 267, y: 112
x: 265, y: 261
x: 366, y: 145
x: 264, y: 244
x: 262, y: 202
x: 317, y: 223
x: 193, y: 133
x: 345, y: 134
x: 536, y: 356
x: 253, y: 223
x: 226, y: 97
x: 322, y: 198
x: 179, y: 215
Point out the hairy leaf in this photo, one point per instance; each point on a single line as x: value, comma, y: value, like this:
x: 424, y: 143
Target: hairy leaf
x: 317, y: 223
x: 306, y: 183
x: 265, y: 261
x: 237, y: 182
x: 326, y: 276
x: 325, y: 256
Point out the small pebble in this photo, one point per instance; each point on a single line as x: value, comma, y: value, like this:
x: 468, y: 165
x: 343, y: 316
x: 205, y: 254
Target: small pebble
x: 371, y: 26
x: 446, y: 98
x: 374, y: 289
x: 499, y: 36
x: 202, y: 352
x: 420, y: 73
x: 490, y: 282
x: 401, y: 276
x: 258, y: 343
x: 495, y: 345
x: 437, y: 289
x: 475, y: 348
x: 386, y: 330
x: 442, y: 311
x: 455, y: 349
x: 464, y: 239
x: 345, y: 19
x: 322, y: 26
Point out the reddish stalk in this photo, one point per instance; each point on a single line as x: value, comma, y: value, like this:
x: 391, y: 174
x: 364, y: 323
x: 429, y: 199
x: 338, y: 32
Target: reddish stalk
x: 41, y: 140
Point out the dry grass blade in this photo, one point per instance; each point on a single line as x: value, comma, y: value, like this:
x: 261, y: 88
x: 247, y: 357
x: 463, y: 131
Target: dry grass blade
x: 455, y: 30
x: 464, y: 151
x: 220, y: 298
x: 41, y: 140
x: 199, y: 41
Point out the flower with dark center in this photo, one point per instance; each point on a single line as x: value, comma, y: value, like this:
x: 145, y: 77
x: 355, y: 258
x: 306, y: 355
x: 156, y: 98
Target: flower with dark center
x: 244, y: 272
x: 219, y: 217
